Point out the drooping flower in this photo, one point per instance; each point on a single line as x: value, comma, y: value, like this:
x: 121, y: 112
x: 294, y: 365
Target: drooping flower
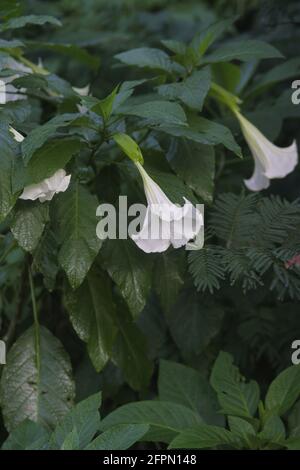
x: 84, y: 91
x: 270, y: 161
x: 17, y: 136
x: 165, y: 223
x: 46, y: 189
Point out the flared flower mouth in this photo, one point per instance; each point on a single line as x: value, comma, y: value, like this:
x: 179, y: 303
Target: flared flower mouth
x: 46, y: 189
x: 165, y: 223
x: 270, y: 161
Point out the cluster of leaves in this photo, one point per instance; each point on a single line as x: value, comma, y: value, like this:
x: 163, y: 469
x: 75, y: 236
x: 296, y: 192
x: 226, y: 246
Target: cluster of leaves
x: 126, y: 309
x: 189, y: 412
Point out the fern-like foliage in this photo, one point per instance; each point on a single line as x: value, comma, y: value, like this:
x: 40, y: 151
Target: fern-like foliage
x: 253, y: 240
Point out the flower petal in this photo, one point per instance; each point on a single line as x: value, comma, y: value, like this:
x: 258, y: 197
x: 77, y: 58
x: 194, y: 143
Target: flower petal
x: 149, y: 239
x: 270, y: 161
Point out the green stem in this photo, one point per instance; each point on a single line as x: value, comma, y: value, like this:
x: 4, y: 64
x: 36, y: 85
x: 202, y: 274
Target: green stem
x: 36, y: 320
x: 229, y: 99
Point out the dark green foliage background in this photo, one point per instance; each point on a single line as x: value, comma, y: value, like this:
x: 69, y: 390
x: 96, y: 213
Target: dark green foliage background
x: 116, y: 320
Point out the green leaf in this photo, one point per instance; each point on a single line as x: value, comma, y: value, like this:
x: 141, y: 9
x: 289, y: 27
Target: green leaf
x: 8, y: 157
x: 289, y: 69
x: 236, y: 397
x: 195, y: 164
x: 207, y: 268
x: 243, y: 429
x: 129, y: 147
x: 50, y: 158
x: 120, y: 437
x: 130, y: 269
x: 149, y: 58
x: 273, y: 430
x: 168, y: 277
x: 130, y: 351
x: 157, y: 112
x: 245, y: 50
x: 45, y: 258
x: 92, y: 313
x: 36, y: 381
x: 71, y: 50
x: 105, y: 106
x: 191, y: 318
x: 21, y: 21
x: 28, y: 435
x: 181, y: 384
x: 165, y: 419
x: 206, y: 132
x: 38, y: 136
x: 76, y: 216
x: 191, y: 91
x: 204, y: 436
x: 203, y: 41
x: 71, y: 441
x: 84, y: 418
x: 284, y: 390
x: 28, y: 223
x: 4, y: 44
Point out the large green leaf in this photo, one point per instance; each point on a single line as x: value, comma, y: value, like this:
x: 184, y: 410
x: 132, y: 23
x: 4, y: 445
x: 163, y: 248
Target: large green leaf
x: 50, y: 158
x: 119, y: 437
x: 165, y: 419
x: 157, y: 112
x: 191, y: 91
x: 36, y: 382
x: 205, y: 437
x: 181, y: 384
x: 28, y: 223
x: 195, y: 164
x: 28, y: 435
x: 245, y: 50
x: 38, y: 136
x: 92, y: 313
x: 191, y: 318
x: 149, y: 58
x: 130, y: 269
x: 168, y: 277
x: 76, y: 217
x: 206, y: 132
x: 84, y: 417
x: 21, y: 21
x: 284, y: 390
x: 130, y: 351
x: 8, y: 150
x: 236, y: 397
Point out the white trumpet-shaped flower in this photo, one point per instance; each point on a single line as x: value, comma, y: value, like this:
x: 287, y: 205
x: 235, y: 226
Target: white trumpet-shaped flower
x: 270, y: 161
x: 44, y: 191
x: 165, y: 223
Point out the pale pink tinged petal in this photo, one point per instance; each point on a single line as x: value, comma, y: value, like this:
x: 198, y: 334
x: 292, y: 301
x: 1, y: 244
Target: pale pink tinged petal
x: 32, y: 192
x: 281, y: 161
x: 147, y: 240
x: 55, y: 180
x: 258, y: 180
x: 188, y: 227
x: 270, y: 161
x: 47, y: 196
x: 84, y: 91
x: 64, y: 184
x: 17, y: 136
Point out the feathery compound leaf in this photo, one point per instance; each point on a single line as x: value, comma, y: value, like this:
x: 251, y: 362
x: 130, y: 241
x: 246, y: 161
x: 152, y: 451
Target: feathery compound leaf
x: 233, y: 218
x: 207, y: 268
